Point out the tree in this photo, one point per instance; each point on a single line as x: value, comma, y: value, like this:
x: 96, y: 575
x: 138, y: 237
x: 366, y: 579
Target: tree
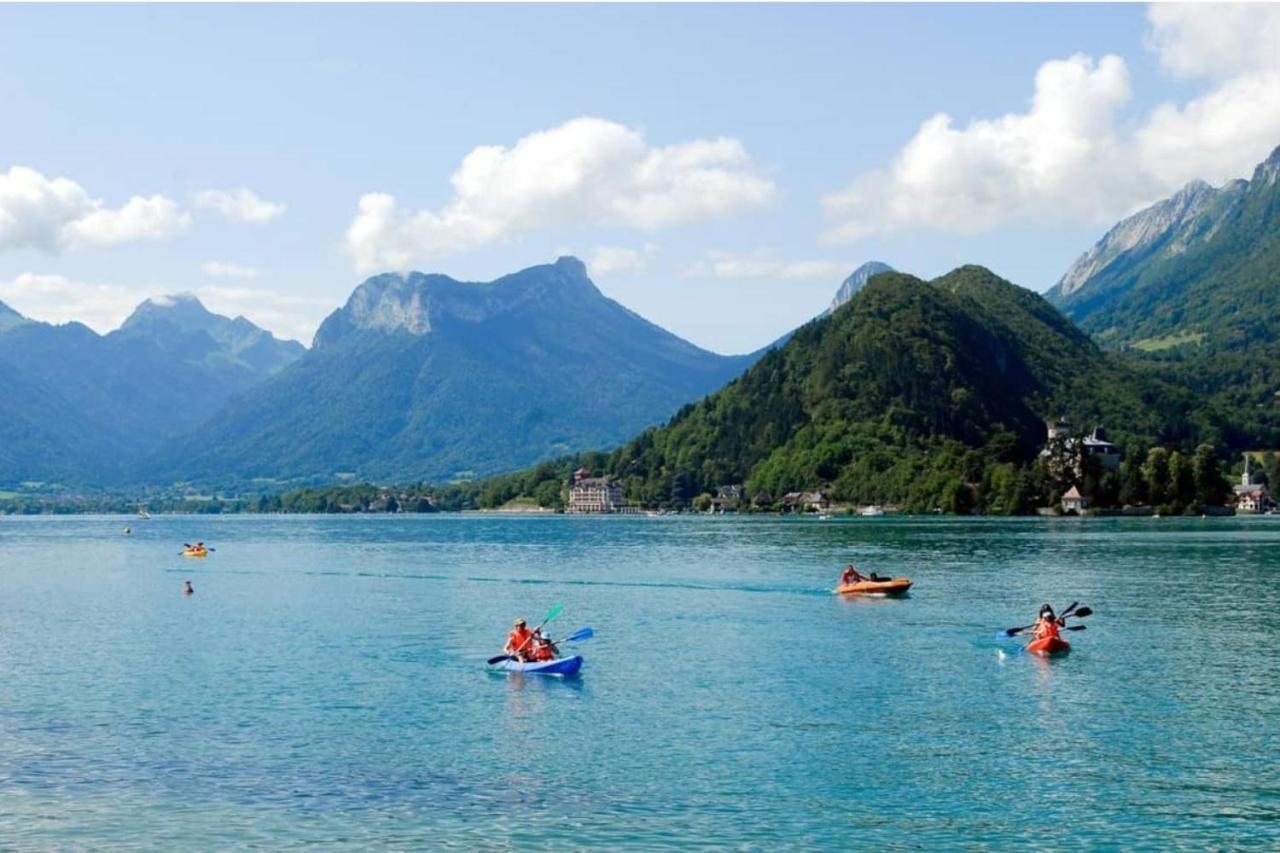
x: 1182, y: 487
x: 1155, y: 471
x: 1210, y: 488
x: 1133, y: 490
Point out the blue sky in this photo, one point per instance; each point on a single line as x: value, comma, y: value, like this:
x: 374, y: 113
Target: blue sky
x: 719, y: 167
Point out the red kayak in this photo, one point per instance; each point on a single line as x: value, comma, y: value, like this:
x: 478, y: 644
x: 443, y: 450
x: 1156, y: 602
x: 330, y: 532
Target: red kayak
x: 1048, y: 646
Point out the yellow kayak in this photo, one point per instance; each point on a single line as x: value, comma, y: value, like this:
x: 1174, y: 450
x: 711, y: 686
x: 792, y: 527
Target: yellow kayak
x: 195, y: 552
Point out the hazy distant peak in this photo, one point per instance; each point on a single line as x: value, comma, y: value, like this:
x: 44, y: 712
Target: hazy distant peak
x: 10, y: 318
x: 857, y: 280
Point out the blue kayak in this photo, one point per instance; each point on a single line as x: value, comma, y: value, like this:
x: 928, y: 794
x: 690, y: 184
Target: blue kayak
x: 561, y: 666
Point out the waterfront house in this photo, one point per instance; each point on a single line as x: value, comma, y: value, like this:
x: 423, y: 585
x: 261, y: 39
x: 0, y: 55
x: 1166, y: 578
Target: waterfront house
x: 589, y: 494
x: 1073, y: 501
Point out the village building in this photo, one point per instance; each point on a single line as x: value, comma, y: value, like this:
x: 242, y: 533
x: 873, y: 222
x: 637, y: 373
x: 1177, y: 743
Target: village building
x: 1073, y: 501
x: 1095, y: 445
x: 590, y: 494
x: 1252, y: 497
x: 727, y: 499
x: 805, y: 502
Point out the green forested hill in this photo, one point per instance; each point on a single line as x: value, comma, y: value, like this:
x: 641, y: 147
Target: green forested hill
x: 931, y: 395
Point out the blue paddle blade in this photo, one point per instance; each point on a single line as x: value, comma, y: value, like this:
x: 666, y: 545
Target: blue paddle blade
x: 580, y: 634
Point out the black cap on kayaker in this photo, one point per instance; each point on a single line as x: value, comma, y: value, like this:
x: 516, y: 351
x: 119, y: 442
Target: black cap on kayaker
x: 1046, y: 609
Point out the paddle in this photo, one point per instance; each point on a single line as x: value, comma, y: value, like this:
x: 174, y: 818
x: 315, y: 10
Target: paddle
x: 579, y: 635
x: 1079, y: 614
x: 188, y: 546
x: 551, y: 614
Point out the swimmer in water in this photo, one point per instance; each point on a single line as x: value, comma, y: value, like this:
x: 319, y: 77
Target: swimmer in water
x: 186, y: 588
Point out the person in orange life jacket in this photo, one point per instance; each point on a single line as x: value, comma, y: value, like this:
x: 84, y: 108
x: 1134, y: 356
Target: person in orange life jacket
x: 519, y: 640
x: 543, y: 647
x: 1047, y: 624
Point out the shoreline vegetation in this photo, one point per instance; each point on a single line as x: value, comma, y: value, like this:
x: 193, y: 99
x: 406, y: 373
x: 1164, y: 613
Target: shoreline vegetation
x: 1158, y: 482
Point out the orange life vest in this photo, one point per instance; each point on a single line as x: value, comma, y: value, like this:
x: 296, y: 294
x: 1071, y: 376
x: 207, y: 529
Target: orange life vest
x: 518, y: 640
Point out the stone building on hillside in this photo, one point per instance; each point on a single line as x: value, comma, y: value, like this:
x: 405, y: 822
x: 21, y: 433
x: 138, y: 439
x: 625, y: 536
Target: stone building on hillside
x: 589, y: 494
x: 1062, y: 448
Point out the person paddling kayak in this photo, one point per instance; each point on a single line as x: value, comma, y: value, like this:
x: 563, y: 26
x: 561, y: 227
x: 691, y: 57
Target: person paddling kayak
x: 518, y: 640
x: 1046, y: 634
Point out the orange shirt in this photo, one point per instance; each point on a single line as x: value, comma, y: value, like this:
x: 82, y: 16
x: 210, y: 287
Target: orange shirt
x: 518, y: 640
x: 543, y: 652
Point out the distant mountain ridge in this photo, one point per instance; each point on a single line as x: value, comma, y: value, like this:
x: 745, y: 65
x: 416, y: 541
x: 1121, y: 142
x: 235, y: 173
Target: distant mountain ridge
x: 79, y: 407
x: 1148, y: 277
x: 1190, y: 288
x: 423, y: 377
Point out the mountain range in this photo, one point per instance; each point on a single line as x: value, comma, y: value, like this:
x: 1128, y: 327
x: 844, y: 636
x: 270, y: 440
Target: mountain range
x: 80, y: 408
x: 929, y: 395
x: 883, y: 396
x: 422, y: 377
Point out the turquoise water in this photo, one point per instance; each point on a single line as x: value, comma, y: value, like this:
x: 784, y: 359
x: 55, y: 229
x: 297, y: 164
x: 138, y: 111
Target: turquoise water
x: 326, y: 684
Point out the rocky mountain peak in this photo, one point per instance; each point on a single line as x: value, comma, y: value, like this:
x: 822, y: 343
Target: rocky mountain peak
x: 857, y: 280
x: 416, y: 302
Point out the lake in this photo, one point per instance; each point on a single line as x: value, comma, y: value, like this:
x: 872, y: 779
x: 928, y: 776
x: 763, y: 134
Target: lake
x: 326, y: 684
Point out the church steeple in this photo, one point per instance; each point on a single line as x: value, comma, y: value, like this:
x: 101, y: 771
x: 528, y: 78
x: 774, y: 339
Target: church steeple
x: 1245, y: 478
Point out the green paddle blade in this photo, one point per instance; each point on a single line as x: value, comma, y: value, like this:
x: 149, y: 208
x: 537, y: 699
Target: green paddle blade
x: 553, y: 613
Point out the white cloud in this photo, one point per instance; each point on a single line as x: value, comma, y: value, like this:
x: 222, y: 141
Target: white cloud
x: 1222, y: 133
x: 612, y: 260
x: 765, y: 263
x: 1215, y: 40
x: 587, y: 171
x: 1073, y: 156
x: 222, y: 269
x: 103, y: 307
x: 56, y: 299
x: 239, y: 205
x: 56, y: 214
x: 286, y: 315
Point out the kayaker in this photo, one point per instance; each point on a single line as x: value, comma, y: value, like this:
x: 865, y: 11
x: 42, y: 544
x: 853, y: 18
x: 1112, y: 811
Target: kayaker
x: 187, y: 589
x: 1046, y: 624
x: 518, y: 640
x: 542, y: 647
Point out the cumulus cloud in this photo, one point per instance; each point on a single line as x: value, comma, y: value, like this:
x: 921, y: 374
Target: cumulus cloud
x: 56, y: 214
x: 765, y: 263
x: 57, y: 299
x: 239, y: 205
x: 222, y: 269
x: 587, y: 171
x: 1072, y: 155
x: 614, y: 260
